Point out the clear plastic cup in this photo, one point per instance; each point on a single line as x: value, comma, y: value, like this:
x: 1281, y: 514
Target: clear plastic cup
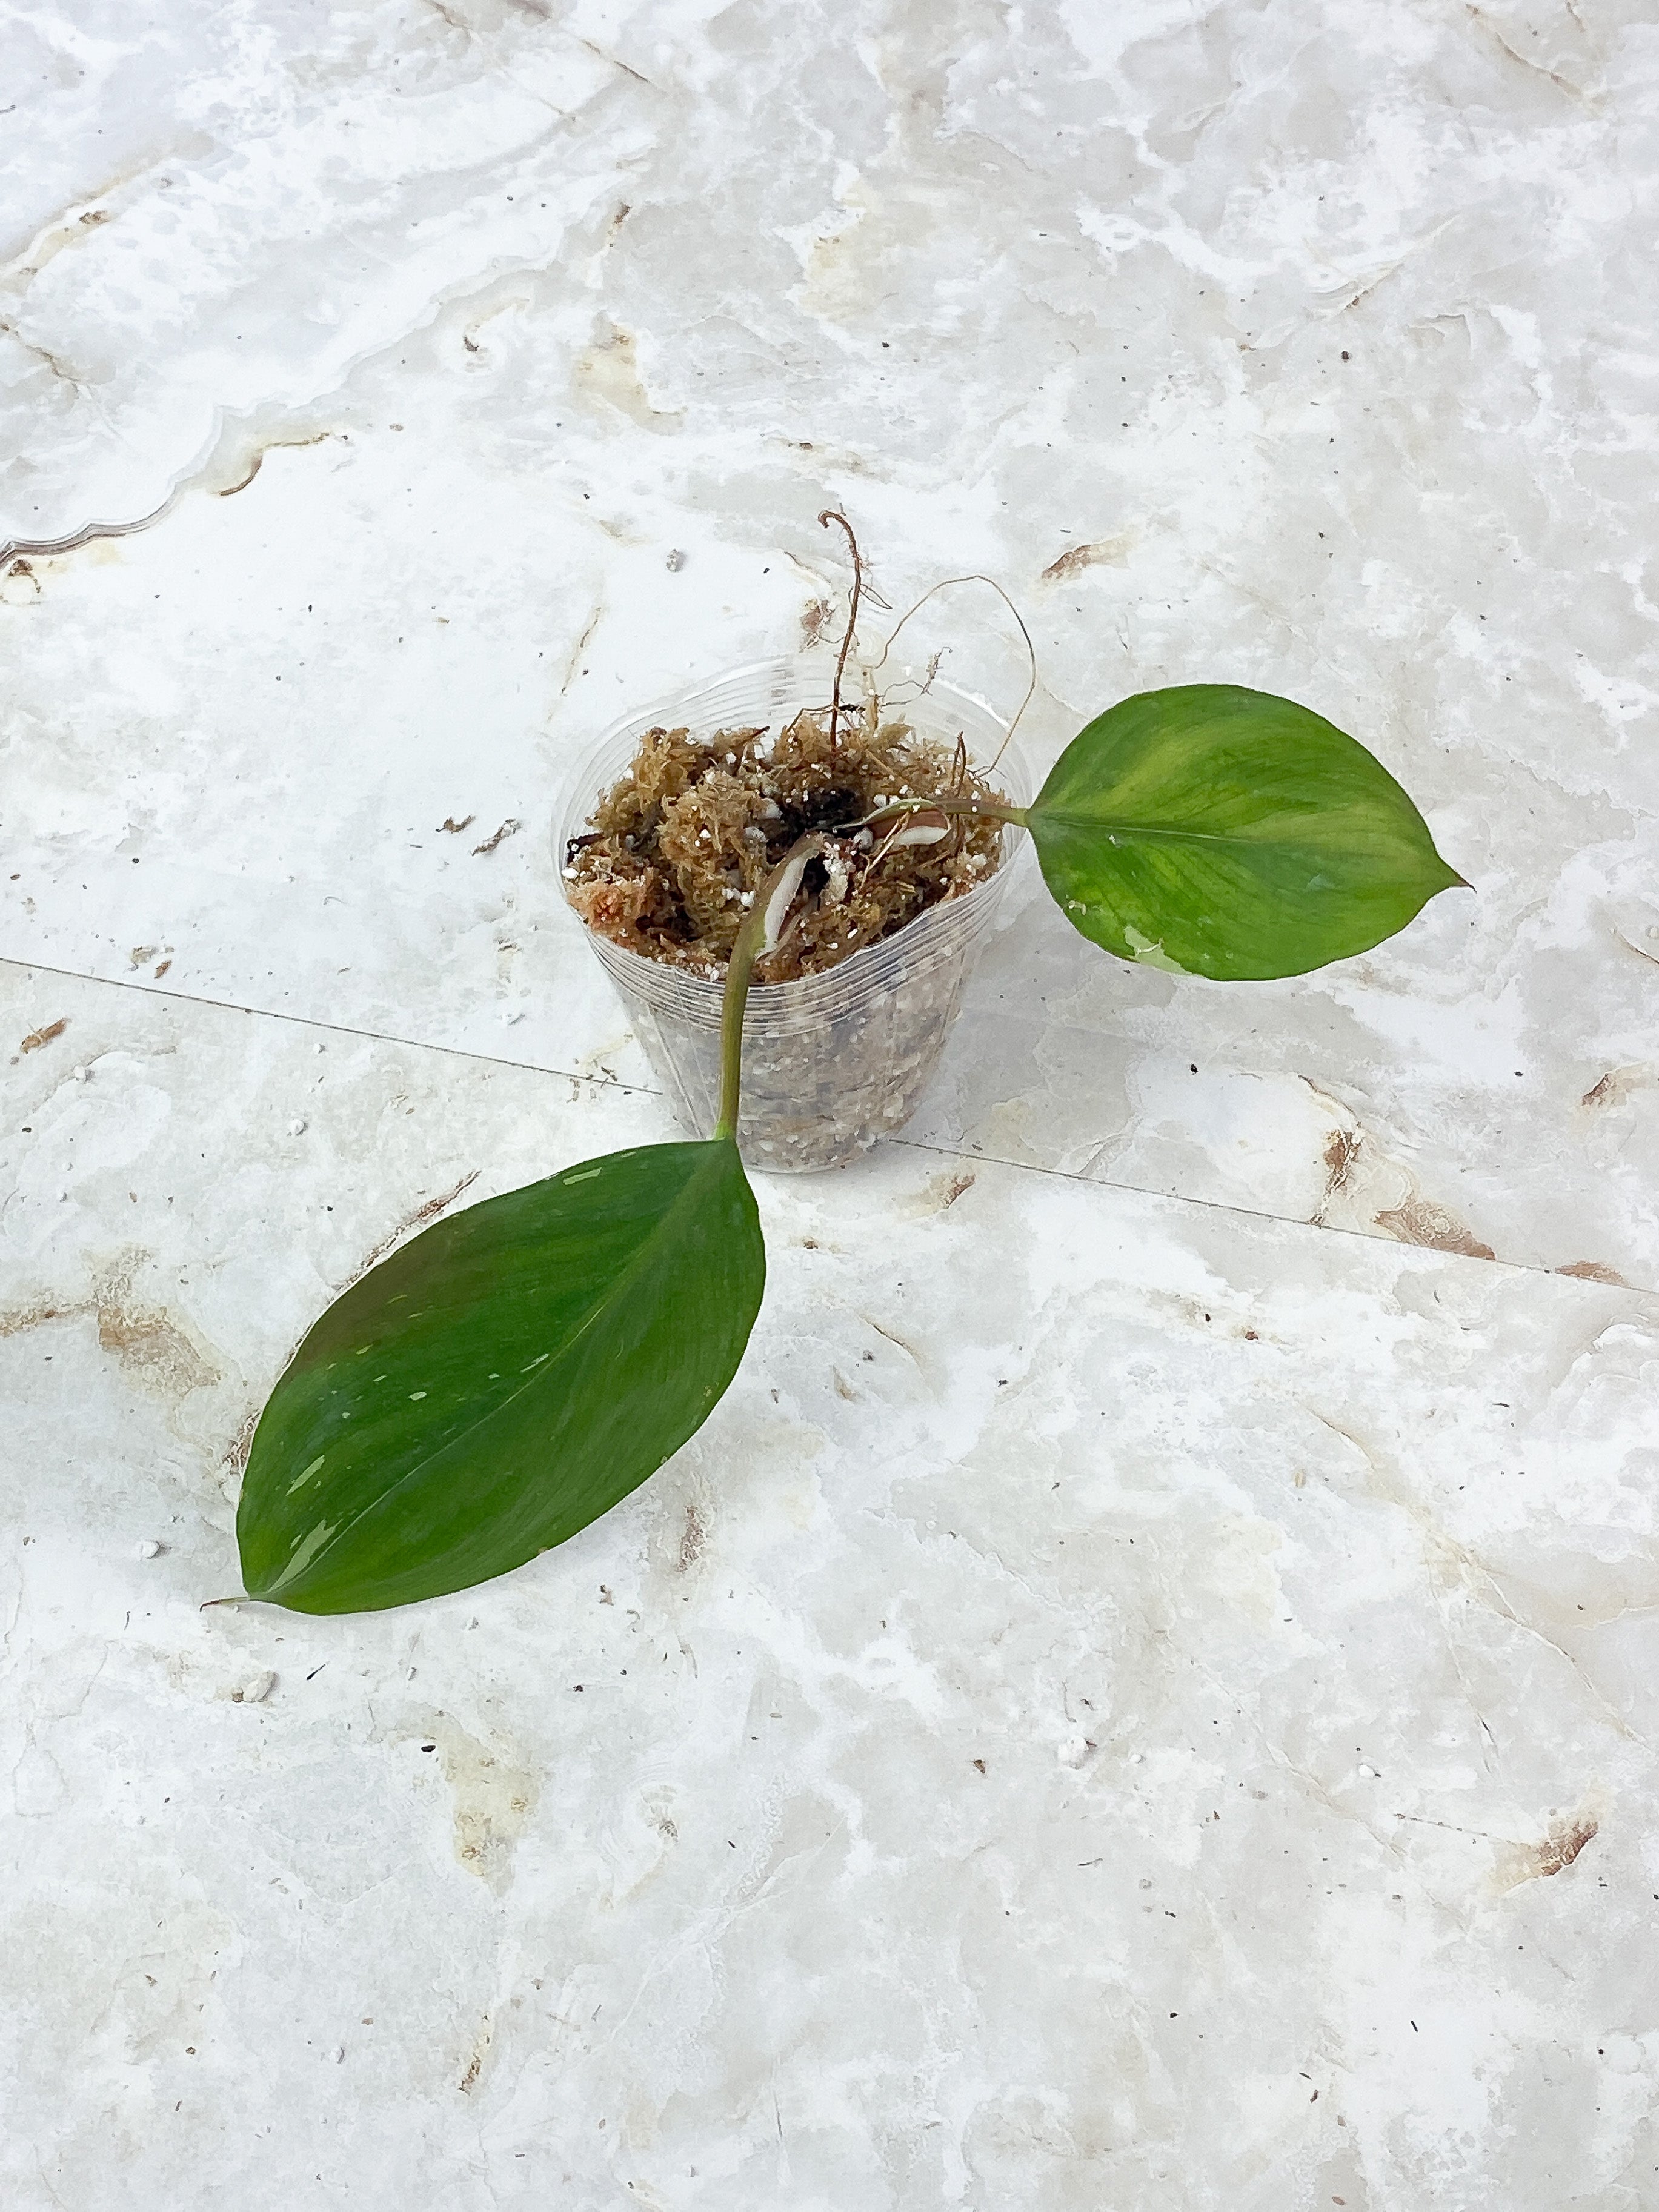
x: 832, y: 1063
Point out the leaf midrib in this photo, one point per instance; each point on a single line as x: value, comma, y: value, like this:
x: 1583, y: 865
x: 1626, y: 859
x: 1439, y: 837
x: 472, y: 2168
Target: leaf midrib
x: 548, y: 1368
x: 1039, y: 812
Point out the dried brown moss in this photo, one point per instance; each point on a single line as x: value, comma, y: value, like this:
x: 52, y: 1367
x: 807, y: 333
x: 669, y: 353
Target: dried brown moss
x: 675, y: 852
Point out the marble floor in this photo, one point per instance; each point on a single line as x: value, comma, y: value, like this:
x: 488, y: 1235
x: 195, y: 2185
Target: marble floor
x: 808, y: 1835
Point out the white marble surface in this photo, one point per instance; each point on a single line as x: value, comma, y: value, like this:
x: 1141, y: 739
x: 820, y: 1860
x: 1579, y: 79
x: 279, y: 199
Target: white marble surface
x: 1295, y: 1593
x: 514, y: 303
x: 1295, y: 1589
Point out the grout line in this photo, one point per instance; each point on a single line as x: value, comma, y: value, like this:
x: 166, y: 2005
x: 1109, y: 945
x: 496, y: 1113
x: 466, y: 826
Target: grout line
x: 331, y: 1029
x: 908, y: 1144
x: 1282, y: 1220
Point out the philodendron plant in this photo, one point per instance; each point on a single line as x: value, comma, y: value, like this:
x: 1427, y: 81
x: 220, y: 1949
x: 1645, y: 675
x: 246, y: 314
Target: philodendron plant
x: 512, y: 1373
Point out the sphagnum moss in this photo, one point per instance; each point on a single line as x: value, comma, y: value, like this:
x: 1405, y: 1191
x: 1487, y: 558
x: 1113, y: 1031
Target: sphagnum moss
x: 676, y: 850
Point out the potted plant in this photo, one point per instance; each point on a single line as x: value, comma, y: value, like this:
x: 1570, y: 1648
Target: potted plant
x: 520, y: 1367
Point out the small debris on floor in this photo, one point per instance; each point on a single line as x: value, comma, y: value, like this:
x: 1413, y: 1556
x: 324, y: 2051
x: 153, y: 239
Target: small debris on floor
x: 506, y: 830
x: 43, y: 1035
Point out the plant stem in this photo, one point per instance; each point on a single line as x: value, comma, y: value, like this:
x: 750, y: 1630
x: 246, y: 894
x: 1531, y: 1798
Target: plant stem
x: 749, y: 944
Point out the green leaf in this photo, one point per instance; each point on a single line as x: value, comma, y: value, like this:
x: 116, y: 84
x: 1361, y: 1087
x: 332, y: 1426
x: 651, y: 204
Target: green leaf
x: 503, y: 1380
x: 1227, y: 833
